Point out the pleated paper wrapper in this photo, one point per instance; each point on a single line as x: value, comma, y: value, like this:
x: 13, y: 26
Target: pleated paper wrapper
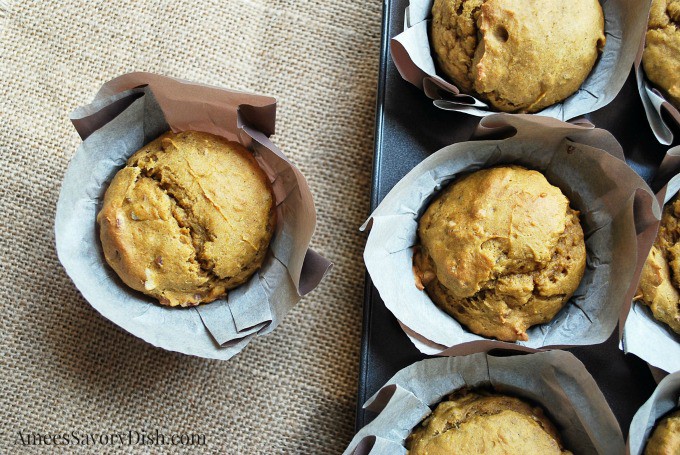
x: 618, y: 213
x: 624, y: 27
x: 556, y: 380
x: 129, y: 112
x: 643, y: 335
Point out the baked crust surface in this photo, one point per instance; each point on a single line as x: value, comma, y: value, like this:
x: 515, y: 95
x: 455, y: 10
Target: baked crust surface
x: 500, y: 250
x: 189, y: 217
x: 661, y: 57
x: 518, y: 55
x: 660, y: 278
x: 665, y: 439
x: 482, y: 422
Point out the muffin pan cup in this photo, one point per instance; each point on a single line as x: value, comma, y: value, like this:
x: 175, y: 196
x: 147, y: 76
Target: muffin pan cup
x: 643, y: 335
x: 556, y: 380
x: 665, y: 398
x: 618, y: 213
x: 127, y: 113
x: 625, y: 25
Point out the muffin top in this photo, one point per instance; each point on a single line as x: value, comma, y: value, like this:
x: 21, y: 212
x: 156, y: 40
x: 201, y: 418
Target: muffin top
x: 660, y: 278
x: 518, y: 55
x: 665, y: 440
x: 189, y: 217
x: 482, y: 422
x: 500, y: 250
x: 661, y: 57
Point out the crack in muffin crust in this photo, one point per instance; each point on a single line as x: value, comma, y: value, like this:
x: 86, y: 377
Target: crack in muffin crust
x: 190, y: 217
x: 183, y: 222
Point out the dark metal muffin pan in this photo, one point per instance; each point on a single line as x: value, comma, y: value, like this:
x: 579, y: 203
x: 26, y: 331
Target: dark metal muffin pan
x: 408, y: 129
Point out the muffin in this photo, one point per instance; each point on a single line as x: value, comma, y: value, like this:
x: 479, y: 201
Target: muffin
x: 189, y: 217
x: 661, y: 57
x: 665, y: 439
x: 483, y: 422
x: 500, y: 250
x: 518, y: 55
x: 660, y: 277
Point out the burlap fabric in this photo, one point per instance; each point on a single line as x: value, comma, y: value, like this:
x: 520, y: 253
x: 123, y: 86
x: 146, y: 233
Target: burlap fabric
x: 64, y: 367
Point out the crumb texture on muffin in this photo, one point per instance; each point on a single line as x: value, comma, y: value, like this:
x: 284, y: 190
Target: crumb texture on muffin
x: 189, y: 217
x: 483, y: 422
x: 661, y: 57
x: 660, y: 278
x: 500, y: 250
x: 518, y: 55
x: 665, y: 439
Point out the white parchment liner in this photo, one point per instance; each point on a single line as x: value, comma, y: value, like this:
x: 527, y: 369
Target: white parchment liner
x: 643, y: 335
x: 587, y: 165
x: 654, y: 101
x: 665, y: 398
x: 624, y: 27
x: 556, y: 380
x: 127, y: 113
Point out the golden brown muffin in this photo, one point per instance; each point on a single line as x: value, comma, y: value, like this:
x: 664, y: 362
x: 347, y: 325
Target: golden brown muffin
x: 665, y: 439
x: 660, y: 278
x: 518, y: 55
x: 661, y: 57
x: 189, y: 217
x: 481, y: 422
x: 500, y: 250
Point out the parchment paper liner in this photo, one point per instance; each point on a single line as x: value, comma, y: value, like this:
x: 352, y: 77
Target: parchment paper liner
x: 129, y: 112
x: 624, y: 28
x: 666, y: 397
x: 643, y: 335
x: 653, y: 100
x: 587, y: 164
x: 556, y: 380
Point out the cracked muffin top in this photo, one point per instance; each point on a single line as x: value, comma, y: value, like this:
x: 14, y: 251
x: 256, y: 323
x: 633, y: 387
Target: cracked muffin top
x: 661, y: 57
x: 659, y: 286
x: 189, y: 217
x: 483, y: 422
x: 518, y: 55
x: 500, y: 250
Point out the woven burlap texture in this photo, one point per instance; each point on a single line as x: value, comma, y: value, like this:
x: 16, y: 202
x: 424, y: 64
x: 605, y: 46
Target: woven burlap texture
x: 64, y: 367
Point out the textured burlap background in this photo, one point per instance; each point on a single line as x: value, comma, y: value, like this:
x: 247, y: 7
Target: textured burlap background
x: 64, y: 367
